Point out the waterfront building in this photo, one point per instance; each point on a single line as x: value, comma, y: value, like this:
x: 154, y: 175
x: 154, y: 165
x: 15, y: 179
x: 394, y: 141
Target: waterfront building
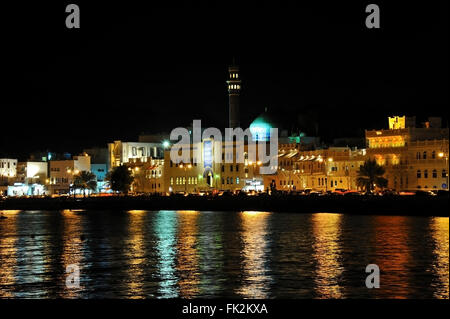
x: 100, y: 170
x: 328, y: 169
x: 62, y: 173
x: 31, y: 172
x: 148, y: 176
x: 8, y: 168
x: 121, y: 153
x: 415, y: 157
x: 211, y: 172
x: 31, y: 179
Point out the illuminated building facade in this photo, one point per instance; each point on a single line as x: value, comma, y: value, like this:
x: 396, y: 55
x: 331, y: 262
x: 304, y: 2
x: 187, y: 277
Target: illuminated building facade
x: 331, y: 169
x: 128, y: 152
x: 8, y: 168
x: 62, y: 173
x: 415, y: 158
x: 148, y: 176
x: 211, y: 171
x: 32, y: 172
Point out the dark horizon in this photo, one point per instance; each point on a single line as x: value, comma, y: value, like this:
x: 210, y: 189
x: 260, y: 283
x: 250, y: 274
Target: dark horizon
x: 132, y: 70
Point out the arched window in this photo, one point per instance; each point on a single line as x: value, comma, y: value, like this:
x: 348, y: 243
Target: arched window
x: 433, y: 155
x: 419, y: 173
x: 425, y: 155
x: 434, y: 173
x: 418, y: 155
x: 425, y: 173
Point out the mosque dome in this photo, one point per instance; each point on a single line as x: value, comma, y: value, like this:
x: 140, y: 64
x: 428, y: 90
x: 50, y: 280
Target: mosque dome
x: 260, y: 127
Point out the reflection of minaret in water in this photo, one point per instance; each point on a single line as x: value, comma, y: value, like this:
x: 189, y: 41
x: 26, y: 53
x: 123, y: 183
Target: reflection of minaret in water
x: 234, y: 89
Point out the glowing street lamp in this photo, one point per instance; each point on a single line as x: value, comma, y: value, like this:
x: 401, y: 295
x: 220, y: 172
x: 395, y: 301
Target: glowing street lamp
x: 166, y: 144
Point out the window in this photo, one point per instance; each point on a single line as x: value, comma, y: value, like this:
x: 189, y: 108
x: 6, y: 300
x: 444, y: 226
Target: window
x: 433, y: 155
x: 419, y: 173
x: 237, y: 168
x: 418, y: 156
x: 237, y: 180
x: 231, y: 168
x: 223, y: 168
x: 425, y: 155
x: 228, y: 180
x: 444, y: 173
x: 133, y: 151
x: 425, y: 173
x: 434, y: 173
x: 171, y: 181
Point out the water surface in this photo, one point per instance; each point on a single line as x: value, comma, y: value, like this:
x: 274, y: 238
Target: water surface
x: 189, y: 254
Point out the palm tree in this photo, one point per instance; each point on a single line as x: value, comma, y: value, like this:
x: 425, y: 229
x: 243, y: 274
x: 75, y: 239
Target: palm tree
x: 370, y: 175
x: 120, y: 179
x: 85, y: 180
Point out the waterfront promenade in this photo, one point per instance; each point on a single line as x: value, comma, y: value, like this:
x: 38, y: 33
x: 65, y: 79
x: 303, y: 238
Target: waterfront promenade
x: 362, y: 205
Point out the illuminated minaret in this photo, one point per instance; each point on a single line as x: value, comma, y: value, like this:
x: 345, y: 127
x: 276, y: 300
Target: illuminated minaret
x: 234, y: 89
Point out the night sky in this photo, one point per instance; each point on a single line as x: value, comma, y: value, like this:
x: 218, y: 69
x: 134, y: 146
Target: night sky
x: 133, y: 69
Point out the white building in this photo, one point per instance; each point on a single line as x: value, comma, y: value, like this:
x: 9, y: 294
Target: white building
x: 8, y: 169
x: 62, y: 173
x: 131, y: 152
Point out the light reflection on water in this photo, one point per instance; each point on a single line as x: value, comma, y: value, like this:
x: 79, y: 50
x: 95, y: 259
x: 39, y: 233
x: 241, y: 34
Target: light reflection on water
x: 188, y: 254
x: 328, y: 254
x: 255, y: 271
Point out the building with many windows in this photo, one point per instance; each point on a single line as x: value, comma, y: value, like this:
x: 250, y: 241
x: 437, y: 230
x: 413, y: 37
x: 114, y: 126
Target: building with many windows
x: 328, y: 169
x: 214, y: 169
x: 120, y: 153
x: 8, y: 169
x: 62, y: 173
x: 415, y: 158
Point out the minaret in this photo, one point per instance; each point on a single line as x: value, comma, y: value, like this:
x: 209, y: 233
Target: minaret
x: 234, y: 89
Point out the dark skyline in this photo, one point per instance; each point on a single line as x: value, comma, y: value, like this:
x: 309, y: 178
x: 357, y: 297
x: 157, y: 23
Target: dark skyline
x: 132, y: 69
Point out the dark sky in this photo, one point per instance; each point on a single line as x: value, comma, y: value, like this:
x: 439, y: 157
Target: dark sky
x: 132, y: 68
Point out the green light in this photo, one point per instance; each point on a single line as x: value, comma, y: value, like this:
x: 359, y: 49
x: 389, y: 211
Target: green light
x: 200, y: 176
x: 217, y: 176
x: 166, y: 144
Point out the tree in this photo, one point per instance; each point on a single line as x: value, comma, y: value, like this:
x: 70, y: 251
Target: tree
x: 370, y: 175
x: 85, y: 180
x: 120, y: 179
